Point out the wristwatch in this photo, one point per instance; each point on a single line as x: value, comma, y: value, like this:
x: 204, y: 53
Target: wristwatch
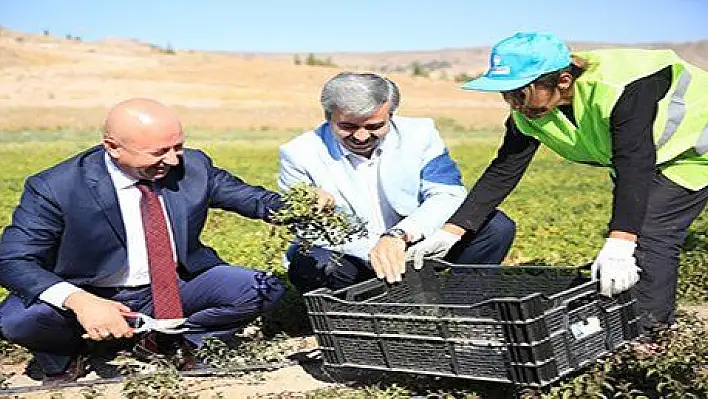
x: 396, y: 233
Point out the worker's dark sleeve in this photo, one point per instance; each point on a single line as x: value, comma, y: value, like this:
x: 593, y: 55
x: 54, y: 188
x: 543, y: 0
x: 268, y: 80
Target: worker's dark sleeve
x: 633, y: 149
x: 497, y: 181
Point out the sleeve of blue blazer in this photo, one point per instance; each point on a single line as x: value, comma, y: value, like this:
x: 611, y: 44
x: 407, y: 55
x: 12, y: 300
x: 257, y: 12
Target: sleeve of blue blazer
x: 31, y: 241
x: 440, y: 187
x: 230, y: 193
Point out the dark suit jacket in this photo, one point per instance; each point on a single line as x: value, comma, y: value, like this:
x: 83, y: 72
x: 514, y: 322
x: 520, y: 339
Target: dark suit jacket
x: 68, y: 226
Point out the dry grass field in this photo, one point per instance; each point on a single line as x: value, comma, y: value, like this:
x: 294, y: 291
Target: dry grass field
x: 52, y: 83
x: 49, y: 83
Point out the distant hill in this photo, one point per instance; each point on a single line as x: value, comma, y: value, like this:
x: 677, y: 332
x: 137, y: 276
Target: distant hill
x: 467, y: 60
x: 49, y: 82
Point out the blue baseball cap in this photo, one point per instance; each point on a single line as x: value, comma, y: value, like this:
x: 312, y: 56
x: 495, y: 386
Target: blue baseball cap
x: 518, y: 60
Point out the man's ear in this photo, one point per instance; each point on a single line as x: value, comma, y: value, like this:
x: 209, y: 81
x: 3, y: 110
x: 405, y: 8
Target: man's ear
x: 565, y: 81
x: 111, y: 147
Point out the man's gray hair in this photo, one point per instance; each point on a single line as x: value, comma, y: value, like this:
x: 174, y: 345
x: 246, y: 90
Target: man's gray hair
x: 358, y: 94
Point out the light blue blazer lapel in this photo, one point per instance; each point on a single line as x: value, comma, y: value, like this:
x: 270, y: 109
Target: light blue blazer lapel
x: 102, y: 189
x: 342, y: 172
x: 392, y: 165
x: 177, y: 212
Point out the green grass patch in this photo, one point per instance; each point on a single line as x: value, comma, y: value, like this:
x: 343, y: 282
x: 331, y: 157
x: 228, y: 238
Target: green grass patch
x: 561, y: 209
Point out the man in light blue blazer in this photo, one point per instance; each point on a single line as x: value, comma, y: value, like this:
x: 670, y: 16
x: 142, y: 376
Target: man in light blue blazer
x: 394, y: 173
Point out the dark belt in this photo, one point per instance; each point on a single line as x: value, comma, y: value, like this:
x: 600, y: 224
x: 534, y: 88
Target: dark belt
x: 111, y: 291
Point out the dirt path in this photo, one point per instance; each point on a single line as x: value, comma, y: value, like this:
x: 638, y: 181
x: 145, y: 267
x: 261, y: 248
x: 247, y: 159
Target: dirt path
x: 304, y: 377
x: 701, y: 310
x: 291, y: 379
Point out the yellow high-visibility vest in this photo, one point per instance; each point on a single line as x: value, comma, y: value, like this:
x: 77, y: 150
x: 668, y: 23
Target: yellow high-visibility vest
x: 680, y: 127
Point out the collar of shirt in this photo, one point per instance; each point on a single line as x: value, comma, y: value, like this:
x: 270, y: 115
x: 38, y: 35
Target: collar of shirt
x: 357, y: 159
x: 121, y: 180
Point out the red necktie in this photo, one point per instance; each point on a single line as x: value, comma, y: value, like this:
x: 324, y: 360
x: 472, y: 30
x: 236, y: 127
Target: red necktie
x: 167, y: 303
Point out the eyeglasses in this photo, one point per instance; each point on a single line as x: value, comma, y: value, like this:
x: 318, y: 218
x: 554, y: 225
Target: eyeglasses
x: 517, y: 97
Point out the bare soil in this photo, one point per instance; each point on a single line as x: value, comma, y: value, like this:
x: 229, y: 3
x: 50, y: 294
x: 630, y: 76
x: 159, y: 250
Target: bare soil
x: 307, y: 376
x: 300, y: 378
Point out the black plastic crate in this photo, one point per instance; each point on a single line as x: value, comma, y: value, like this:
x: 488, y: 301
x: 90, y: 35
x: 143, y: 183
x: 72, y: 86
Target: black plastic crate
x: 525, y: 325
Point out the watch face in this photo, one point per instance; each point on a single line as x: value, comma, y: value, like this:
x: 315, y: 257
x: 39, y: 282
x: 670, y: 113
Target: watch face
x: 398, y: 233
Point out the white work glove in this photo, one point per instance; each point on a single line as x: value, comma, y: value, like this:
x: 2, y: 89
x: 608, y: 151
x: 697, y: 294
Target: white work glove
x: 435, y: 246
x: 616, y: 265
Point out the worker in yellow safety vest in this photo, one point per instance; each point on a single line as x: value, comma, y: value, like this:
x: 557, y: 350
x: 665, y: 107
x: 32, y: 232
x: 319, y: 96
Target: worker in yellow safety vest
x: 642, y: 113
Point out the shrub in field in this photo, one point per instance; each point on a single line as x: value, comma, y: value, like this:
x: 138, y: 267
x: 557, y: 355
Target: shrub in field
x: 313, y: 226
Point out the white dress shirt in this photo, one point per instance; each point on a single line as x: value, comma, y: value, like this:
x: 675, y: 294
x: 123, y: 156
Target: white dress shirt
x: 366, y: 171
x: 136, y: 271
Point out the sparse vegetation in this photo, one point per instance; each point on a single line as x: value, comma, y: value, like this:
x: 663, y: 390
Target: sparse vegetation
x: 561, y: 210
x: 417, y: 70
x: 158, y: 380
x: 163, y: 50
x: 254, y: 350
x: 464, y: 77
x: 313, y: 60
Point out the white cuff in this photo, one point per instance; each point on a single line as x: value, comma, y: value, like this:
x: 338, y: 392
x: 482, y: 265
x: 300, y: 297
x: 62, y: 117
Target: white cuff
x: 619, y: 246
x: 57, y: 294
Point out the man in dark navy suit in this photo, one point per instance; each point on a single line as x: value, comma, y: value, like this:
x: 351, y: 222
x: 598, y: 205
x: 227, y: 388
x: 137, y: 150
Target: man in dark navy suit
x: 116, y: 229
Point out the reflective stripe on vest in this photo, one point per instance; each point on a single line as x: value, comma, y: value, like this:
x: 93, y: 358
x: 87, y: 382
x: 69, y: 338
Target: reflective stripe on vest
x: 702, y: 143
x: 676, y: 109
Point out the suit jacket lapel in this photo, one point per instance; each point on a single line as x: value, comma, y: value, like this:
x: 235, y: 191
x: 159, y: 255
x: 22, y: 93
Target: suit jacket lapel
x: 176, y: 210
x: 102, y: 189
x: 391, y: 157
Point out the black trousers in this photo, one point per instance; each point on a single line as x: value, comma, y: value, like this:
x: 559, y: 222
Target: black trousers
x: 488, y: 246
x: 671, y: 210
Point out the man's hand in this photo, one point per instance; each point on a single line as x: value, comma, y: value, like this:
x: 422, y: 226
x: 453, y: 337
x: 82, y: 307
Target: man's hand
x: 435, y: 246
x: 324, y: 199
x: 615, y: 266
x: 388, y: 258
x: 101, y: 318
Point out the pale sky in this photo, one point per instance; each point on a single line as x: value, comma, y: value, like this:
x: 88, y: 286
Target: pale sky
x: 364, y: 25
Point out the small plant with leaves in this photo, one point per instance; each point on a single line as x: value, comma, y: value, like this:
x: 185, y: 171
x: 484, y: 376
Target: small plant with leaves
x: 258, y: 351
x: 314, y: 225
x: 156, y: 380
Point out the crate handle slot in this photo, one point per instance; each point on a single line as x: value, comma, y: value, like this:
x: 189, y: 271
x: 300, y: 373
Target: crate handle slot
x: 366, y: 291
x: 579, y: 300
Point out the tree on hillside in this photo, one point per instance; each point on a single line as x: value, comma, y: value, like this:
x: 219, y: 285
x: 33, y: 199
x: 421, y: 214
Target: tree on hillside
x: 312, y: 60
x: 418, y: 70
